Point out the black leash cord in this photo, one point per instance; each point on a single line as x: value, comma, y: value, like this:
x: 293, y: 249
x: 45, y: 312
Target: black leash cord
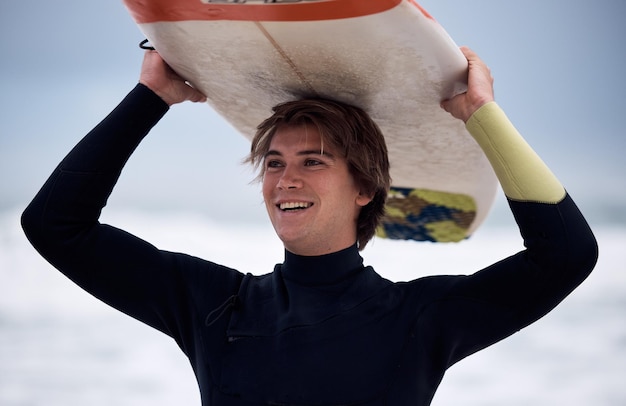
x: 145, y: 44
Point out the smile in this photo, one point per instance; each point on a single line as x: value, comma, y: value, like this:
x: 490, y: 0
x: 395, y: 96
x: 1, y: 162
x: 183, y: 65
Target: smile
x: 294, y: 206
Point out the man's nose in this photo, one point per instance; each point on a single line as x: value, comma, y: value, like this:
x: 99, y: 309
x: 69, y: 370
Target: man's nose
x: 290, y: 179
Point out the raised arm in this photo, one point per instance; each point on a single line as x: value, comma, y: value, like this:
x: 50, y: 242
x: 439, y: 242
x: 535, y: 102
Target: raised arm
x: 122, y: 270
x: 560, y: 247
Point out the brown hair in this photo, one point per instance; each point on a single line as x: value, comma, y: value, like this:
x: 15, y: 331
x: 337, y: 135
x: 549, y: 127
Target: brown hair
x: 352, y: 132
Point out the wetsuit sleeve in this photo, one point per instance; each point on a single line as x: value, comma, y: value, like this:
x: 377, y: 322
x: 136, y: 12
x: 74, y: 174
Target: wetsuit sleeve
x: 117, y: 267
x: 521, y: 172
x: 560, y: 252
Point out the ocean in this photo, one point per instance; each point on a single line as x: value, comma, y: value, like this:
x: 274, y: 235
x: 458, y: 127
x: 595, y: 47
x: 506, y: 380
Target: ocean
x: 60, y: 346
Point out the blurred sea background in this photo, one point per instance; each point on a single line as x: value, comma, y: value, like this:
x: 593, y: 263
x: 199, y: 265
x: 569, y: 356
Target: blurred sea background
x: 559, y: 70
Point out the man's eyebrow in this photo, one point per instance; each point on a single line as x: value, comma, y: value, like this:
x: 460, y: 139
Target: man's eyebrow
x: 273, y: 152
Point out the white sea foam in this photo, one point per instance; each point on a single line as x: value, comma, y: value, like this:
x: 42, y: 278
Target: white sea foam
x: 59, y: 346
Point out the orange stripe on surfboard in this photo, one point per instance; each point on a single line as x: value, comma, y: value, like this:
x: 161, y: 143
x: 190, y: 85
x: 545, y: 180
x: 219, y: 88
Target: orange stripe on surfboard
x: 150, y: 11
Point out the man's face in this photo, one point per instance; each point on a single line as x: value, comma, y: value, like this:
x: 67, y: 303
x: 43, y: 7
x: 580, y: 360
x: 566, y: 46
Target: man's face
x: 310, y: 195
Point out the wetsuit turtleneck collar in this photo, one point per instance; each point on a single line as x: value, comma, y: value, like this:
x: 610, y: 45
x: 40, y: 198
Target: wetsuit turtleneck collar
x: 303, y: 292
x: 322, y: 269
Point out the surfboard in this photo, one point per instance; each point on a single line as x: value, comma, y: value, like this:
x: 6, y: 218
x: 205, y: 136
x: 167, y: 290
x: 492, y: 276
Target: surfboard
x: 389, y: 57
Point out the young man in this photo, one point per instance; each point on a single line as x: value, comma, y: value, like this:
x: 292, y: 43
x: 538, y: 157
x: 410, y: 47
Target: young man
x: 321, y: 329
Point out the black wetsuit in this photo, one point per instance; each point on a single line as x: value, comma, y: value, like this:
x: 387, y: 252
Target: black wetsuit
x: 316, y: 331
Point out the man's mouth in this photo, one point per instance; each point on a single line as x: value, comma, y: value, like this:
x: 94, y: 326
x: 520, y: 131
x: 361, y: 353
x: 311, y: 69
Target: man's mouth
x: 289, y: 206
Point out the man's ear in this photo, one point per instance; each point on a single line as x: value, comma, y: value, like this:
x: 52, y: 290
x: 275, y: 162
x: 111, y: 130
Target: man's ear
x: 363, y: 199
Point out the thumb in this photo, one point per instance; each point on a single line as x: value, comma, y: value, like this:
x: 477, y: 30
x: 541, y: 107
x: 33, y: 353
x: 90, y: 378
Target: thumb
x: 194, y: 95
x: 455, y: 106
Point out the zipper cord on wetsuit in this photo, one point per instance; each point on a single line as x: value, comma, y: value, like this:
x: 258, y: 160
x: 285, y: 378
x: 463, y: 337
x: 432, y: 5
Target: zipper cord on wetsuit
x: 215, y: 315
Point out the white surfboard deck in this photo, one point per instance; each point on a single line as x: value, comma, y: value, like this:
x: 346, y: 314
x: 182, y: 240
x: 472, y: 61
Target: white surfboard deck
x: 389, y: 57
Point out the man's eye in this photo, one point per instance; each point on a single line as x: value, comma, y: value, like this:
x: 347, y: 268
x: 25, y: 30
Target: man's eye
x: 272, y: 164
x: 312, y: 162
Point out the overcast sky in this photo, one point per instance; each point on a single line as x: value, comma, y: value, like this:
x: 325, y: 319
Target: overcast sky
x: 559, y: 69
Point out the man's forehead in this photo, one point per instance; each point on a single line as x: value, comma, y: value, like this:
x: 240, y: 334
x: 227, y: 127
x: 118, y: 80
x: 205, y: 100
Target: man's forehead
x: 297, y: 136
x: 304, y: 138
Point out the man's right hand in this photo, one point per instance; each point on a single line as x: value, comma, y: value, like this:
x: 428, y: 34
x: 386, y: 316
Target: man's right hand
x: 167, y: 84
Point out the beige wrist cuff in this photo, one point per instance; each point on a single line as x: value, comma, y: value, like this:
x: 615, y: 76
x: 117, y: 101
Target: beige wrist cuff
x: 522, y: 174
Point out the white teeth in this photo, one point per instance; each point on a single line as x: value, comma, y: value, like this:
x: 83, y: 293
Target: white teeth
x: 294, y: 205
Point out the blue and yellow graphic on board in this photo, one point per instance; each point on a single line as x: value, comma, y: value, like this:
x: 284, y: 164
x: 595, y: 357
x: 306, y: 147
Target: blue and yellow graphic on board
x: 427, y: 215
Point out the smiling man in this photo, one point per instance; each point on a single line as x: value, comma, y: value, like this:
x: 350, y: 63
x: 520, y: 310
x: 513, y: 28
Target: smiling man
x: 315, y: 190
x: 310, y: 195
x: 321, y: 328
